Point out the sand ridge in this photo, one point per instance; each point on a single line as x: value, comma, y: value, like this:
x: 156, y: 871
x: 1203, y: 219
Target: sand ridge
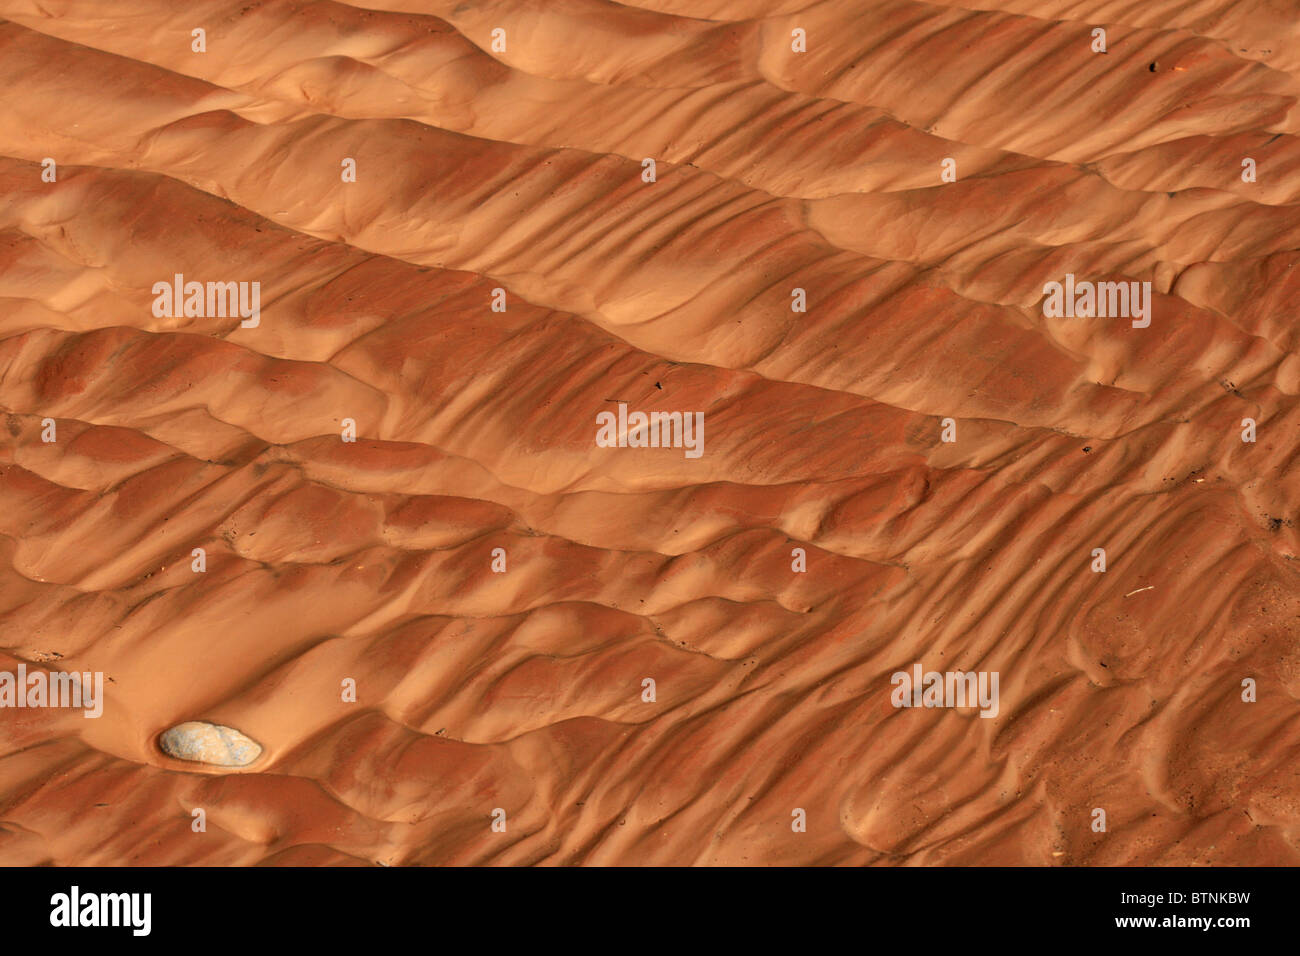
x: 522, y: 170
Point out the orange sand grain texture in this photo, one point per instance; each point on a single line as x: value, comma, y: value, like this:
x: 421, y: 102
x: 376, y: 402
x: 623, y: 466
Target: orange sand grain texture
x: 521, y: 169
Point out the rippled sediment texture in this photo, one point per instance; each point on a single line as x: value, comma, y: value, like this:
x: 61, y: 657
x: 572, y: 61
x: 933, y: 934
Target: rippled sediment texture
x: 521, y: 170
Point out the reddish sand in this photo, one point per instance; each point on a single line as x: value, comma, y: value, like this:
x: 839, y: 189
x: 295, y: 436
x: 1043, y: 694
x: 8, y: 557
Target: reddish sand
x: 521, y: 169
